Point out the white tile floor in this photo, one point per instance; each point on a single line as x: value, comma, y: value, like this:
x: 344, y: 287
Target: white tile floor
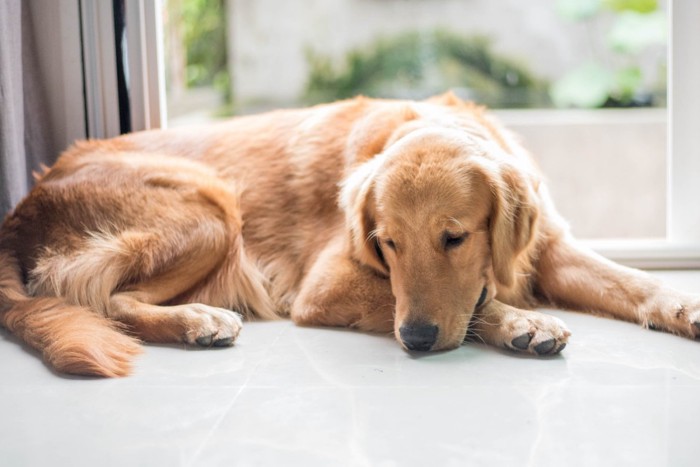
x: 618, y: 395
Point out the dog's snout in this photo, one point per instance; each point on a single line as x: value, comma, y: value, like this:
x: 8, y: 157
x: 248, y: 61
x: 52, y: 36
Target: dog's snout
x: 420, y: 337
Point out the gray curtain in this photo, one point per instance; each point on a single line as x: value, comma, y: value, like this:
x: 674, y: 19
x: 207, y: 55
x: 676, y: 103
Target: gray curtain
x: 24, y: 128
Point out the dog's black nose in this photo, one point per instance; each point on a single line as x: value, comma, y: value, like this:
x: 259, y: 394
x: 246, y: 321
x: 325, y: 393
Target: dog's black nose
x: 420, y: 337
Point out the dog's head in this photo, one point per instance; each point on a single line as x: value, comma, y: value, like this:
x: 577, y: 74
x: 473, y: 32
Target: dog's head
x: 445, y: 221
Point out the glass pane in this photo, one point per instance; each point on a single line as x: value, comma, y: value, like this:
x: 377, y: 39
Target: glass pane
x: 198, y: 87
x: 587, y: 77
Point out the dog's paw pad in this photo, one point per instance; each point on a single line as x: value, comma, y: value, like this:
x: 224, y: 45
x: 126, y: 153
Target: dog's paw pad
x: 208, y: 326
x: 522, y: 342
x: 672, y: 311
x: 545, y: 347
x: 538, y: 335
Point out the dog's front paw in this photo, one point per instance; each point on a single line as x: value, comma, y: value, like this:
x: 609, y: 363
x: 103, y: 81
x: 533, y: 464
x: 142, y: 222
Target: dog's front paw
x: 538, y: 334
x: 687, y: 317
x: 673, y: 312
x: 208, y: 326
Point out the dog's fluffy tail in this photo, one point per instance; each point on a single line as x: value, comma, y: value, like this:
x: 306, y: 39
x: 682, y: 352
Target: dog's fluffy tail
x: 73, y: 339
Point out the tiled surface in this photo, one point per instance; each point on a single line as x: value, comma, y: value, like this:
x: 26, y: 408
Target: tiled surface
x: 284, y: 395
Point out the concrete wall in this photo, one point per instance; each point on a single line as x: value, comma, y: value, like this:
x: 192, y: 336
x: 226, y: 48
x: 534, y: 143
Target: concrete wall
x: 606, y: 169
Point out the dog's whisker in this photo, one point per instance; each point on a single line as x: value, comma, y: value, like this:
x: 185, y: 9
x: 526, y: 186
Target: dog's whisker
x: 481, y: 320
x: 473, y: 336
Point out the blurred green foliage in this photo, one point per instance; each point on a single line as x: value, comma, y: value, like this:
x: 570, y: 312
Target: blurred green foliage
x: 416, y: 65
x: 636, y: 26
x: 203, y: 29
x: 640, y: 6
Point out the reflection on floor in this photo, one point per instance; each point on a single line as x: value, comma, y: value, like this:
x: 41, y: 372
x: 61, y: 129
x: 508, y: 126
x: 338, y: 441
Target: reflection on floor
x: 618, y: 395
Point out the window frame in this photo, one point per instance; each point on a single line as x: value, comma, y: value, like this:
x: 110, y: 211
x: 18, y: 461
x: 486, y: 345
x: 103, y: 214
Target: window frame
x: 144, y: 31
x: 99, y: 69
x: 90, y: 24
x: 681, y: 247
x: 683, y: 221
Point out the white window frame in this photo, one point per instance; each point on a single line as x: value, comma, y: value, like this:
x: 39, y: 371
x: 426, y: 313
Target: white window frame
x: 144, y: 34
x: 684, y: 115
x: 680, y: 249
x: 144, y: 31
x: 99, y: 66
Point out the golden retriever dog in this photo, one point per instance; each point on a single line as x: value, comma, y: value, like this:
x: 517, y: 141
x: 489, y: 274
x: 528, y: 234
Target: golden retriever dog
x: 425, y: 219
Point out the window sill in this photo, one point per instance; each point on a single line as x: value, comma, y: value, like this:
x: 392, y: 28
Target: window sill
x: 648, y: 253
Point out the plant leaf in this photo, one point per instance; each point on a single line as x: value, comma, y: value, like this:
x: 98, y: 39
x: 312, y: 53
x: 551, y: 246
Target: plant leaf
x: 577, y: 10
x: 587, y: 86
x: 640, y: 6
x: 632, y: 32
x: 627, y: 82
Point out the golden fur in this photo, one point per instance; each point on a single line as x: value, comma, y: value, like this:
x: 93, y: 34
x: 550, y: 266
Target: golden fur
x: 425, y: 219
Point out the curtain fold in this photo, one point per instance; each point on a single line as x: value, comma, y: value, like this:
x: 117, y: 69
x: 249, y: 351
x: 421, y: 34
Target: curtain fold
x: 24, y: 128
x: 13, y: 167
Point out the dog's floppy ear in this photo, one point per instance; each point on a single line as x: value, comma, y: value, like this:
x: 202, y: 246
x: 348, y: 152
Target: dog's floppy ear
x: 513, y: 222
x: 358, y: 201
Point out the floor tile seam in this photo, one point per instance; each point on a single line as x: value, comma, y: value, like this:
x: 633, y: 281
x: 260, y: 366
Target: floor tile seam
x: 230, y: 406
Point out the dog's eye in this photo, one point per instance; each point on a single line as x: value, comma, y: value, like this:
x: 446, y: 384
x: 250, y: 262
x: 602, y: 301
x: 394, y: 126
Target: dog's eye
x: 482, y: 298
x: 451, y: 240
x: 390, y: 243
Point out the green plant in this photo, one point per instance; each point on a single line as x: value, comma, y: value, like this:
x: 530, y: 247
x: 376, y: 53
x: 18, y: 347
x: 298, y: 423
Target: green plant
x: 203, y: 29
x: 637, y: 26
x: 418, y: 64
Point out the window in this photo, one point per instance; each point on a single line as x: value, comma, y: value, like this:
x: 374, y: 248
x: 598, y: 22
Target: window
x: 606, y: 168
x: 673, y: 180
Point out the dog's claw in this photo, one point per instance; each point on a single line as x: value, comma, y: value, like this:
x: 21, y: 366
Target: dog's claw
x: 204, y: 341
x: 521, y: 342
x: 225, y: 342
x: 561, y: 347
x: 697, y: 324
x: 545, y: 347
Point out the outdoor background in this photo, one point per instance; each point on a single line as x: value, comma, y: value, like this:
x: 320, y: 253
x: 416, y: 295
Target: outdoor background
x: 588, y: 78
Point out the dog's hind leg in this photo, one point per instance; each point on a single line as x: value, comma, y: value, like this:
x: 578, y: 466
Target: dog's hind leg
x: 184, y: 300
x: 171, y: 271
x: 191, y: 323
x: 190, y: 300
x: 128, y: 276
